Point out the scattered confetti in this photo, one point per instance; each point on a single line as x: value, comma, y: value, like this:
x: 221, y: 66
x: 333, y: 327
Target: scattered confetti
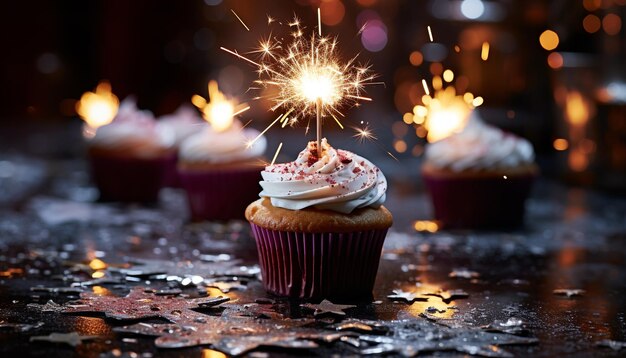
x: 327, y: 307
x: 406, y: 296
x: 449, y: 295
x: 73, y: 339
x: 19, y: 327
x: 569, y: 292
x: 614, y: 345
x: 140, y: 303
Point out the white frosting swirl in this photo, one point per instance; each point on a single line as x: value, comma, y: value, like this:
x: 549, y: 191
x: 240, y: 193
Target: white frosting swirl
x: 228, y: 146
x: 340, y: 181
x: 132, y: 129
x: 480, y: 146
x: 181, y: 124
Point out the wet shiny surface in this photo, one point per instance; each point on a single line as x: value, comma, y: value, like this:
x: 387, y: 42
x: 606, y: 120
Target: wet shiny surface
x: 56, y: 242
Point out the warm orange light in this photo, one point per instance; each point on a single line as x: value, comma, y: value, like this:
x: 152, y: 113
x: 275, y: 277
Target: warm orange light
x: 484, y: 52
x: 549, y: 40
x: 560, y: 144
x: 332, y: 12
x: 445, y: 112
x: 592, y: 5
x: 416, y: 58
x: 399, y: 145
x: 555, y: 60
x: 210, y: 353
x: 98, y: 108
x: 97, y: 264
x: 219, y: 111
x: 425, y: 225
x: 612, y: 24
x: 578, y: 160
x: 576, y: 109
x: 592, y: 23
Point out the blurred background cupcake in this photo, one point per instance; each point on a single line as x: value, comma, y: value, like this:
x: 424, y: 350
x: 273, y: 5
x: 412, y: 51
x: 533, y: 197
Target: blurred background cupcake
x: 129, y: 156
x: 479, y: 177
x: 179, y: 125
x: 219, y: 166
x: 320, y: 224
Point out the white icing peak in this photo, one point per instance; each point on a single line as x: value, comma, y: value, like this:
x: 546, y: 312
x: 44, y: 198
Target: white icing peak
x: 131, y: 127
x: 480, y: 146
x: 340, y: 181
x: 227, y: 146
x: 181, y: 124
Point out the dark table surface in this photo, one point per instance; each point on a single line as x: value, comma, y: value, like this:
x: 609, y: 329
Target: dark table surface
x: 51, y: 230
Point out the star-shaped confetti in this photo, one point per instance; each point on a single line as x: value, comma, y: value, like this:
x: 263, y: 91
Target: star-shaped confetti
x: 406, y: 296
x: 73, y: 339
x: 231, y: 333
x: 49, y: 306
x: 327, y: 307
x: 410, y: 337
x: 449, y: 295
x: 140, y: 303
x: 513, y: 325
x: 569, y: 292
x: 19, y: 327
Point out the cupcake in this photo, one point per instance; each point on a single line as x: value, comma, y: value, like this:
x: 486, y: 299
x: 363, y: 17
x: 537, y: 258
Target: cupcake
x: 179, y: 125
x: 219, y: 170
x: 320, y: 224
x: 129, y: 156
x: 479, y: 177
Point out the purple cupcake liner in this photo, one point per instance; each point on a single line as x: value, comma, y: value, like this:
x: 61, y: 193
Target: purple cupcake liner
x: 220, y: 194
x: 128, y: 179
x: 319, y: 265
x: 479, y: 203
x: 171, y: 173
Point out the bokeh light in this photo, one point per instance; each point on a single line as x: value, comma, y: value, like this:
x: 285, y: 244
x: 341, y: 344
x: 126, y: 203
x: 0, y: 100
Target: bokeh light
x: 612, y: 24
x: 472, y: 9
x: 560, y: 144
x: 555, y: 60
x: 332, y: 12
x: 374, y: 36
x: 592, y: 23
x: 416, y: 58
x: 549, y: 40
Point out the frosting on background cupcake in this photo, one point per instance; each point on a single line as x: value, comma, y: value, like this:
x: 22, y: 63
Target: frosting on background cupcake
x: 340, y: 181
x: 231, y: 145
x: 134, y: 131
x: 181, y: 124
x: 479, y: 147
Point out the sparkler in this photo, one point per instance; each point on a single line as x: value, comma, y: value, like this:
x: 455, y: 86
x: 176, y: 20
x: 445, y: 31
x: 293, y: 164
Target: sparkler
x: 309, y: 76
x: 98, y: 108
x: 445, y: 112
x: 219, y: 111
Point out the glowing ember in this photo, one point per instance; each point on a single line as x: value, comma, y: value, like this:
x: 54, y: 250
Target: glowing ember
x: 97, y: 264
x: 308, y: 75
x: 444, y: 113
x: 219, y: 111
x: 98, y: 108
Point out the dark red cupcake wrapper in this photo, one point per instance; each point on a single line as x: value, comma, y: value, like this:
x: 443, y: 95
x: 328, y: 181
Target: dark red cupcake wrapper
x: 479, y: 203
x: 171, y: 173
x: 220, y: 194
x: 128, y: 179
x: 319, y: 265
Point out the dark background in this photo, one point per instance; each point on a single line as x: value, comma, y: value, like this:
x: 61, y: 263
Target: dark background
x: 163, y: 52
